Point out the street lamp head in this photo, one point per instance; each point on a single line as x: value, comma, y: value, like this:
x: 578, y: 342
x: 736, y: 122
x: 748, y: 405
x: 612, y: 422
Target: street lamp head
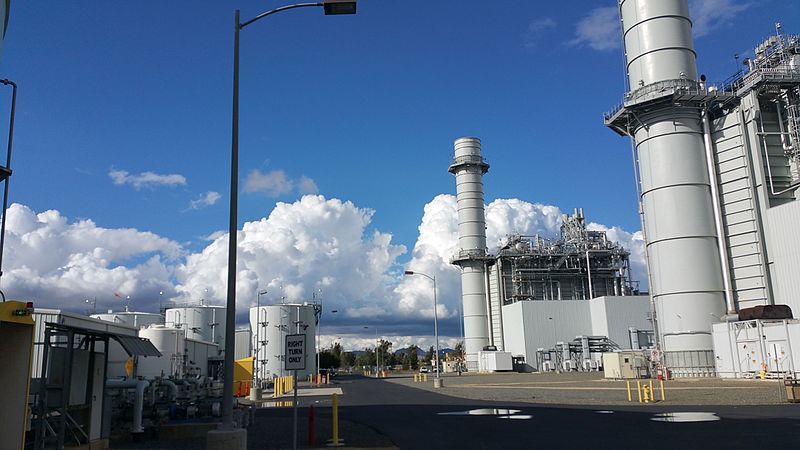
x: 409, y: 272
x: 339, y: 7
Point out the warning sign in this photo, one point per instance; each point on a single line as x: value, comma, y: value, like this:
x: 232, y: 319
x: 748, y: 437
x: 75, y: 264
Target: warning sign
x: 296, y: 352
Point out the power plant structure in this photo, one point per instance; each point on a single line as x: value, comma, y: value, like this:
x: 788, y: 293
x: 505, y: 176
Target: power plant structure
x: 718, y: 178
x: 538, y: 295
x: 472, y: 256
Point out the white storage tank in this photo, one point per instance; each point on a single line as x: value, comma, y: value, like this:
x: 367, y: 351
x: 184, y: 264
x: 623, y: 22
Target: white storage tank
x: 171, y: 342
x: 201, y: 322
x: 131, y: 318
x: 270, y: 324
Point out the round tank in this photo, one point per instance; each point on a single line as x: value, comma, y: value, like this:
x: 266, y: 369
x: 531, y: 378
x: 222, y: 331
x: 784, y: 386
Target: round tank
x: 658, y: 41
x: 131, y: 318
x: 171, y: 342
x: 201, y: 323
x: 680, y: 234
x: 270, y: 325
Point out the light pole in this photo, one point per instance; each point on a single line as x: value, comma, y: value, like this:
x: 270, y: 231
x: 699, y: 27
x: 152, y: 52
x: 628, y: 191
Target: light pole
x: 319, y: 323
x: 331, y: 7
x: 377, y: 350
x: 256, y: 390
x: 437, y: 382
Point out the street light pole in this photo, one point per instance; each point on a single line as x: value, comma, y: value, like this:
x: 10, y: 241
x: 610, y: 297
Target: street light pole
x: 256, y: 359
x: 332, y: 7
x: 437, y: 382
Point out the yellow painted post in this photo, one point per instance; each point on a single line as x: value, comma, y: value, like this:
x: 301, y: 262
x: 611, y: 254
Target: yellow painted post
x: 652, y: 392
x: 646, y: 391
x: 628, y: 383
x: 335, y: 408
x: 639, y: 390
x: 662, y: 390
x: 328, y: 379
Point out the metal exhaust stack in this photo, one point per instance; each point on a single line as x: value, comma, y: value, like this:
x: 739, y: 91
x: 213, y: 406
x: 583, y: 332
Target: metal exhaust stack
x: 676, y: 204
x: 469, y: 167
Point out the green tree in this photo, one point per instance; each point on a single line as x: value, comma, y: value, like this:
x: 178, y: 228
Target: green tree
x: 384, y: 351
x: 429, y: 355
x: 365, y: 359
x: 328, y: 359
x: 413, y: 358
x: 459, y: 351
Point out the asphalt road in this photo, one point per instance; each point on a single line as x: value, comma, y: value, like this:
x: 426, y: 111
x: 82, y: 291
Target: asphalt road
x: 410, y: 418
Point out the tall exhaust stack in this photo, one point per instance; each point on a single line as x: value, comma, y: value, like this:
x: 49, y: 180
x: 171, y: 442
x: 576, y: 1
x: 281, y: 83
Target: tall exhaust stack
x: 662, y: 113
x: 468, y: 166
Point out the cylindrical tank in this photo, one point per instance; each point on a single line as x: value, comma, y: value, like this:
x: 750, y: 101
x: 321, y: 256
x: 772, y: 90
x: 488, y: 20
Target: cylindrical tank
x: 201, y: 322
x: 682, y: 249
x: 131, y: 318
x: 469, y: 167
x: 270, y: 324
x: 658, y: 41
x: 171, y: 343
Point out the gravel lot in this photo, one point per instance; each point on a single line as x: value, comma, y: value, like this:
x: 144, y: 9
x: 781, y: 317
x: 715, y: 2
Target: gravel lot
x: 590, y: 388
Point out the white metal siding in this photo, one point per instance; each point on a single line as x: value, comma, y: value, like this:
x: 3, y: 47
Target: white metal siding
x: 739, y: 211
x: 783, y: 226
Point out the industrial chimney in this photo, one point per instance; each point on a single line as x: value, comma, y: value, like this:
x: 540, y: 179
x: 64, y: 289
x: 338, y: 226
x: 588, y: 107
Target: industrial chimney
x: 676, y: 202
x: 469, y: 167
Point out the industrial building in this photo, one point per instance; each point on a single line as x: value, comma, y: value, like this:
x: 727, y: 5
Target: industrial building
x: 538, y: 297
x: 718, y: 178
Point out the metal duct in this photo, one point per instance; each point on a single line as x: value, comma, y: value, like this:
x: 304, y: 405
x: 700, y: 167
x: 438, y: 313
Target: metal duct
x: 469, y: 167
x: 682, y: 247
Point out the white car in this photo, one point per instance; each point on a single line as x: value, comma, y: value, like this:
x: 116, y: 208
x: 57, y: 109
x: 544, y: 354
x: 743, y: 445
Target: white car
x: 424, y: 369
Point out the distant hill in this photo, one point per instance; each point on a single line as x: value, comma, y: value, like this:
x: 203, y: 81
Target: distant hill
x: 421, y: 352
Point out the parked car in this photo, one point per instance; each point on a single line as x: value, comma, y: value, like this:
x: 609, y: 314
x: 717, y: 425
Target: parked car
x: 424, y: 369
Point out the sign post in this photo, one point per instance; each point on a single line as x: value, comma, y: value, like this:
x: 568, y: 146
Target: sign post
x: 295, y: 360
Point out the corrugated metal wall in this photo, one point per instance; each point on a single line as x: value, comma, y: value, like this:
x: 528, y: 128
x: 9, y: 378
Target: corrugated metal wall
x: 783, y: 225
x: 746, y: 256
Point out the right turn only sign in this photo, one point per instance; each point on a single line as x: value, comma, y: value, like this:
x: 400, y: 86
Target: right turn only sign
x: 295, y: 352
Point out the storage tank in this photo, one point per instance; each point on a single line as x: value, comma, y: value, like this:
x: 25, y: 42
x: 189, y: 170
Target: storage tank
x: 131, y: 318
x: 270, y: 325
x: 171, y: 343
x: 201, y: 322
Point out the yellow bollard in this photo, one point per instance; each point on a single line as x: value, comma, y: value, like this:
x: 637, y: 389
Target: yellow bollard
x: 652, y: 392
x: 328, y: 379
x: 335, y: 407
x: 639, y: 390
x: 646, y: 391
x: 628, y: 383
x: 662, y: 390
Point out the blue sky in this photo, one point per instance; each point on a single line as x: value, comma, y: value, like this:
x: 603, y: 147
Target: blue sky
x: 359, y: 108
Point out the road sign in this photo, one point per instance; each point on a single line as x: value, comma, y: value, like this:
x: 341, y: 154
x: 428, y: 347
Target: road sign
x: 295, y: 352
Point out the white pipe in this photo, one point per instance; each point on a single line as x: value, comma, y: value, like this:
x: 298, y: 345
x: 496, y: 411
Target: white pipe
x: 723, y: 248
x: 173, y: 389
x: 138, y: 401
x: 786, y: 146
x: 589, y: 272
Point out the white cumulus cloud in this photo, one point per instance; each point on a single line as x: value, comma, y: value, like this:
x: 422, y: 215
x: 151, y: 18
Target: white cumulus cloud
x: 59, y: 263
x: 300, y: 248
x: 313, y: 243
x: 599, y: 29
x: 710, y: 15
x: 277, y: 182
x: 207, y: 199
x: 145, y: 179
